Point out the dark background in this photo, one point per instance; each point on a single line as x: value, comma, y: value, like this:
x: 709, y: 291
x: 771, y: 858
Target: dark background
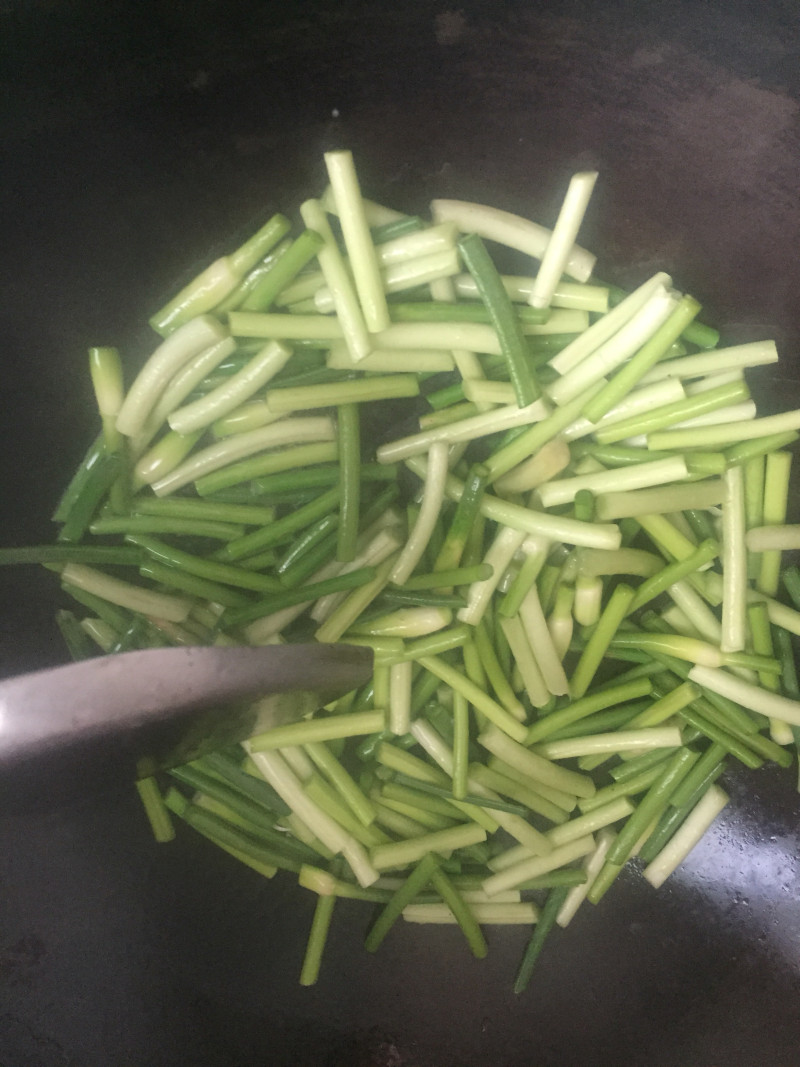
x: 138, y: 139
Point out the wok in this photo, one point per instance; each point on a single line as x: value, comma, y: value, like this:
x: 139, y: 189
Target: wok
x: 139, y: 137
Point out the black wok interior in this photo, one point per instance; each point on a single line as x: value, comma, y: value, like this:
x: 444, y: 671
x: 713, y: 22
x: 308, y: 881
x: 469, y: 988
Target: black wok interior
x: 138, y: 139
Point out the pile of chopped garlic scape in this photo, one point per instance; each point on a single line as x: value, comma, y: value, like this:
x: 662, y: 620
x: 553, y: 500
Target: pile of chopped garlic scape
x: 570, y: 572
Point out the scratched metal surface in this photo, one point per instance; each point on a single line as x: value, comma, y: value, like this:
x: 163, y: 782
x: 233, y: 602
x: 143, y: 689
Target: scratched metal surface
x: 136, y: 140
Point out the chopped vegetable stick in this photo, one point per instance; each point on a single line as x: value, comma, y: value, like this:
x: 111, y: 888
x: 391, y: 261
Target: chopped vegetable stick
x: 155, y: 809
x: 618, y: 348
x: 728, y: 413
x: 355, y: 229
x: 650, y: 807
x: 776, y: 491
x: 404, y: 895
x: 105, y: 368
x: 359, y: 391
x: 634, y: 502
x: 377, y: 215
x: 457, y: 576
x: 629, y: 785
x: 204, y: 467
x: 218, y: 279
x: 586, y: 604
x: 400, y: 698
x: 533, y: 840
x: 759, y: 446
x: 725, y: 403
x: 543, y: 927
x: 525, y: 661
x: 349, y: 437
x: 125, y: 594
x: 419, y: 795
x: 436, y: 644
x: 608, y: 325
x: 635, y: 403
x: 664, y: 708
x: 396, y: 361
x: 427, y: 819
x: 340, y: 620
x: 274, y: 532
x: 647, y: 356
x: 519, y: 288
x: 482, y: 425
x: 475, y: 695
x: 522, y: 447
x: 403, y: 853
x: 224, y: 573
x: 550, y: 460
x: 538, y: 768
x: 186, y: 342
x: 503, y: 914
x: 398, y: 824
x: 274, y: 768
x: 676, y: 851
x: 495, y: 674
x: 281, y: 327
x: 773, y: 538
x: 323, y: 913
x: 754, y: 354
x: 726, y: 434
x: 499, y: 555
x: 557, y: 528
x: 587, y: 705
x: 562, y: 238
x: 338, y: 280
x: 512, y: 230
x: 592, y: 866
x: 618, y: 741
x: 484, y: 392
x: 503, y: 319
x: 433, y: 494
x: 355, y: 799
x: 535, y: 550
x: 313, y: 730
x: 560, y: 621
x: 539, y: 639
x: 590, y: 821
x: 638, y: 476
x: 56, y: 554
x: 164, y: 457
x: 267, y: 362
x: 298, y: 761
x: 523, y: 794
x: 607, y: 627
x: 532, y: 867
x: 463, y: 912
x: 104, y: 635
x: 460, y: 745
x: 745, y: 693
x: 734, y: 563
x: 463, y: 521
x: 593, y: 562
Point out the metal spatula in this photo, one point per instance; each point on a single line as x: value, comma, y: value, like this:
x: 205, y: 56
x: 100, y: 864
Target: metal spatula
x: 116, y: 717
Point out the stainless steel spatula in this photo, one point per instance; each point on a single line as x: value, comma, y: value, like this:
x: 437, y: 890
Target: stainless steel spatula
x: 134, y: 713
